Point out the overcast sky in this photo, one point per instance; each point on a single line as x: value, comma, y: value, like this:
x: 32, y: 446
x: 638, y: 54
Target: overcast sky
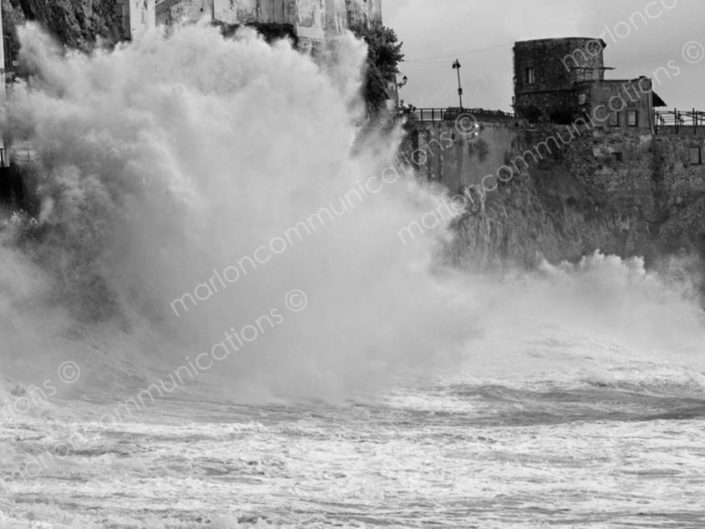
x: 481, y: 34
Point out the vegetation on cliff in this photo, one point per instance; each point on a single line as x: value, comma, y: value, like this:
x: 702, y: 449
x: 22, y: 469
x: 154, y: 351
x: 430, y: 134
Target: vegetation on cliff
x: 383, y: 57
x: 74, y: 23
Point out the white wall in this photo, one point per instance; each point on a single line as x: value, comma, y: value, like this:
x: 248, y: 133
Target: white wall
x: 248, y: 11
x: 174, y: 11
x: 230, y: 12
x: 311, y: 19
x: 336, y: 18
x: 142, y: 16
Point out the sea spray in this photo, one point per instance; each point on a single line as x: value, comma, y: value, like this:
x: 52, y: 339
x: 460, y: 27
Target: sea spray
x: 170, y: 164
x: 167, y: 159
x: 600, y: 320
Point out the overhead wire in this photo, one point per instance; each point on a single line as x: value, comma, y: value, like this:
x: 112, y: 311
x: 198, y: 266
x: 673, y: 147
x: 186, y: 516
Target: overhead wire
x: 438, y: 60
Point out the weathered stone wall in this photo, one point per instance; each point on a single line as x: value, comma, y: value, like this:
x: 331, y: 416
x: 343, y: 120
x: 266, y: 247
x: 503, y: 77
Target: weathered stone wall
x: 557, y: 64
x: 363, y: 12
x: 170, y: 12
x: 252, y: 11
x: 336, y: 17
x: 624, y: 192
x: 455, y: 162
x: 311, y: 19
x: 610, y: 102
x: 141, y: 16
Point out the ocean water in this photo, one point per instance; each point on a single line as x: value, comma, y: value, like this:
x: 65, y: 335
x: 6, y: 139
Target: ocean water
x: 447, y: 454
x: 339, y: 377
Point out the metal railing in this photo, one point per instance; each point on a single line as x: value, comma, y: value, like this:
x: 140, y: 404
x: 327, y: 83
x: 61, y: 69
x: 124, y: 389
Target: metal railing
x: 680, y: 120
x: 437, y: 115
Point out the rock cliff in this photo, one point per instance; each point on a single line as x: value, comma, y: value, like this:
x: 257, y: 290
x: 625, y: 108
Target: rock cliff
x: 623, y: 194
x: 75, y: 23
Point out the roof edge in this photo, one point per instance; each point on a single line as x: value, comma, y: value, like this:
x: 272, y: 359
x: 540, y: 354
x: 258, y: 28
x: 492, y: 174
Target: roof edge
x: 564, y: 39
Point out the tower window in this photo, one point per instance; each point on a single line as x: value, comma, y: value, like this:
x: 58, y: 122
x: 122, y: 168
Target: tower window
x: 530, y: 76
x: 584, y: 74
x: 696, y: 155
x: 633, y: 118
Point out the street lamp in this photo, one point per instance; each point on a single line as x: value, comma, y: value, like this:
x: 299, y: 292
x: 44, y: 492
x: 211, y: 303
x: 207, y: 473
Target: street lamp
x: 456, y: 66
x: 404, y: 80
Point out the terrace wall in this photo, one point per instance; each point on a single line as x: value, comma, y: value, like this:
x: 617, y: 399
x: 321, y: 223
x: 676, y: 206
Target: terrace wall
x: 621, y: 191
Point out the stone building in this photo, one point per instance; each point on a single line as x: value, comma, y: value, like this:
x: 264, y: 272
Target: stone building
x: 307, y: 20
x: 138, y: 16
x: 563, y: 80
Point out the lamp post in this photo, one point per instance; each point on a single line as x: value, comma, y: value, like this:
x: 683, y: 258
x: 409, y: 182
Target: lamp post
x: 456, y: 66
x: 401, y: 85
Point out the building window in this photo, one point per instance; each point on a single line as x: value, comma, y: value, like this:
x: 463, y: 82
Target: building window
x: 618, y: 156
x: 582, y: 99
x: 615, y: 120
x: 633, y: 118
x: 585, y: 74
x: 594, y: 48
x: 530, y: 76
x: 696, y: 155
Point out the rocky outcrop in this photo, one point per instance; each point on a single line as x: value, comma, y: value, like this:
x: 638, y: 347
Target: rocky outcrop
x: 624, y: 194
x: 74, y: 23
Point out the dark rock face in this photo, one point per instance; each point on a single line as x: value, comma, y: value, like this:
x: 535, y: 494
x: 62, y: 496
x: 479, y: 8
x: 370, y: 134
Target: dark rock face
x: 74, y: 23
x: 622, y: 192
x: 650, y: 202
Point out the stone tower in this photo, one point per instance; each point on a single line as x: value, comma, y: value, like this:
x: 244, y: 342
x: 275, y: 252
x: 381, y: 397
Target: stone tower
x: 546, y: 72
x: 563, y: 81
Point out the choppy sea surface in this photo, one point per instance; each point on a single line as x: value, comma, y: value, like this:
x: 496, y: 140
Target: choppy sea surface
x: 628, y: 453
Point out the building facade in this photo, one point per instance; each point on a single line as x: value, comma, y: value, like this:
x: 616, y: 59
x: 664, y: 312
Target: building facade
x: 138, y: 16
x: 309, y: 19
x: 563, y: 80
